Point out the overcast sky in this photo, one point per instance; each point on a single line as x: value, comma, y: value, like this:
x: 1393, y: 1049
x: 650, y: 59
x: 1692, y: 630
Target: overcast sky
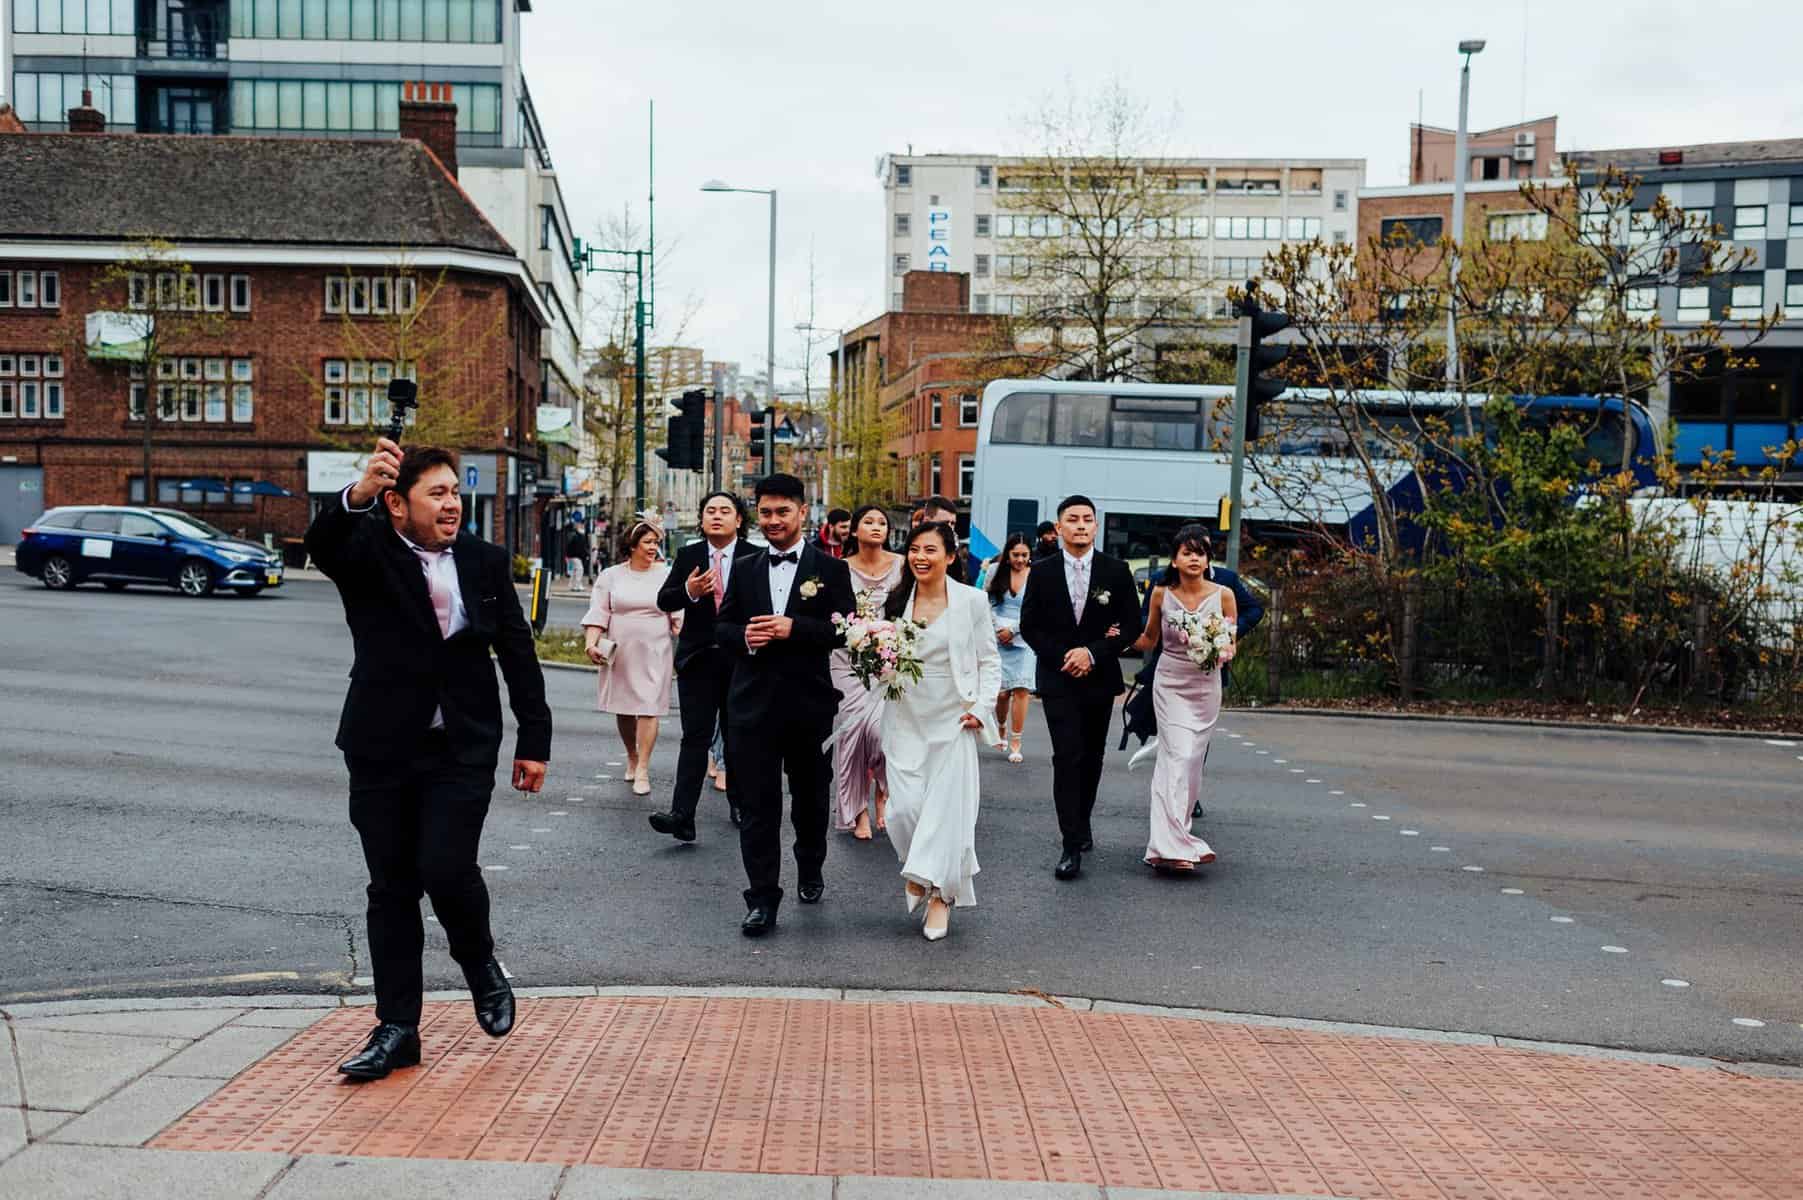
x: 805, y: 96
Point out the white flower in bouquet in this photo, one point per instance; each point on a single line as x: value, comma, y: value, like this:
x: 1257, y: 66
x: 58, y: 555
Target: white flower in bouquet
x: 1210, y: 640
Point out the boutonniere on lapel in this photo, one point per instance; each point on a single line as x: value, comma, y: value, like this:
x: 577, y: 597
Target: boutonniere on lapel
x: 1100, y: 597
x: 810, y: 587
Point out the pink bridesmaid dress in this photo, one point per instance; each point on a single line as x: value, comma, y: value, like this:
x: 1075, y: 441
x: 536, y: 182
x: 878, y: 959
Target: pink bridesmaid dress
x: 858, y: 731
x: 1187, y: 701
x: 636, y: 682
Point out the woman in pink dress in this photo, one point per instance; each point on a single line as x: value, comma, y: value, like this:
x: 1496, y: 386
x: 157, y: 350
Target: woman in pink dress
x: 1186, y: 699
x: 635, y: 677
x: 857, y: 737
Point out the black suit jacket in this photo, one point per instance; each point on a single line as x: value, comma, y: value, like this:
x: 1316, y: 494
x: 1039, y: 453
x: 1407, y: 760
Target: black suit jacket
x: 1049, y: 628
x: 789, y: 680
x: 404, y: 668
x: 697, y: 637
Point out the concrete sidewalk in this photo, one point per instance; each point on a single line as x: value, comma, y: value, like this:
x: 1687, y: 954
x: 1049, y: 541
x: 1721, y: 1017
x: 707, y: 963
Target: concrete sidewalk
x: 615, y: 1093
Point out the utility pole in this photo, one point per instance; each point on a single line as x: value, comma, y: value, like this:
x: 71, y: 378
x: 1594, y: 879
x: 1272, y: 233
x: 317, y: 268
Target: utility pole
x: 582, y: 258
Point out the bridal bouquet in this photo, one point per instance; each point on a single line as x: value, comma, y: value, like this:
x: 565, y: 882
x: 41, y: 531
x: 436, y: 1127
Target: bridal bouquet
x: 1210, y: 639
x: 883, y: 653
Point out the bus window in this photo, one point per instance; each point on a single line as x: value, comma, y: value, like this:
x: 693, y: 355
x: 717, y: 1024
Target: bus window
x: 1023, y: 418
x: 1080, y: 420
x: 1153, y: 423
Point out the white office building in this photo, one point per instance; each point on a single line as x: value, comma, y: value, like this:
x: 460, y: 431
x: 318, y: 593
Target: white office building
x: 952, y: 212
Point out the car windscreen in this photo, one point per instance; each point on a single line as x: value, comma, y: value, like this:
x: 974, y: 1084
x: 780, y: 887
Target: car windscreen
x: 190, y: 526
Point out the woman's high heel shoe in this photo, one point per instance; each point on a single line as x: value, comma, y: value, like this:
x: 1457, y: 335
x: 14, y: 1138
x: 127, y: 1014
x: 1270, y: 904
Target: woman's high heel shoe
x: 641, y: 782
x: 915, y: 895
x: 1014, y: 754
x: 935, y: 932
x: 861, y: 830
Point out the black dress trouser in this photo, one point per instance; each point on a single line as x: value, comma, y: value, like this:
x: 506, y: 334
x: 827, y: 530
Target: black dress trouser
x: 420, y: 818
x: 701, y: 698
x: 761, y: 756
x: 1078, y: 724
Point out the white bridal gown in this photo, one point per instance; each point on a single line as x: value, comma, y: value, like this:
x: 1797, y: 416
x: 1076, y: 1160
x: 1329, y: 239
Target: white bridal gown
x: 932, y: 767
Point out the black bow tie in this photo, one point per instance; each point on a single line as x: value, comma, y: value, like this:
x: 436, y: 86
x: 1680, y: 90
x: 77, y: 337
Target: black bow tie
x: 792, y: 557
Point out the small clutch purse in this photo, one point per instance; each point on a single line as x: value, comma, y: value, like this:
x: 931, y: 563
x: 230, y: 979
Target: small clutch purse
x: 606, y: 649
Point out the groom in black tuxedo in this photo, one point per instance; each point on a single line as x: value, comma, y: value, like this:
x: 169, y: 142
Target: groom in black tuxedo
x: 1079, y: 613
x: 777, y: 624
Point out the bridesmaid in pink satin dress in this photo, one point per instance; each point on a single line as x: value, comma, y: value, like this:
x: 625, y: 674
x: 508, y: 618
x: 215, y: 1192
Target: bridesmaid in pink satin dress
x: 857, y: 736
x: 1186, y: 699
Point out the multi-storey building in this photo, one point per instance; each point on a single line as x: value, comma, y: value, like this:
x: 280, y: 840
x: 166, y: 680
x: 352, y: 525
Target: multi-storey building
x: 958, y: 213
x: 1520, y: 151
x: 316, y: 68
x: 278, y: 304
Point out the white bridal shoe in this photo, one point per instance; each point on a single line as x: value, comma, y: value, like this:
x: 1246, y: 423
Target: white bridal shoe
x: 1143, y: 755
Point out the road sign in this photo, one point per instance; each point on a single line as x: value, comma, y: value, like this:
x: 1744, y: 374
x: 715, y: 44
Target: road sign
x: 471, y: 476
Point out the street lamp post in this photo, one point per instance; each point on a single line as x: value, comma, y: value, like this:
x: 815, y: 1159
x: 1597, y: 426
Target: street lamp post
x: 1460, y: 168
x: 716, y: 185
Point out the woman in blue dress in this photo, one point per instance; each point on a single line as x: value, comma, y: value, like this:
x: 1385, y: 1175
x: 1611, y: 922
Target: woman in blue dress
x: 1007, y: 587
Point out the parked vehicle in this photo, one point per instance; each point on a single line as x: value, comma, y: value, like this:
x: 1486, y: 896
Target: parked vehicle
x: 119, y: 546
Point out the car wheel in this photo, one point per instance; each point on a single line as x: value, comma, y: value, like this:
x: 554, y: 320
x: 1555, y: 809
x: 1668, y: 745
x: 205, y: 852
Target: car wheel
x: 58, y: 574
x: 194, y: 578
x: 113, y: 585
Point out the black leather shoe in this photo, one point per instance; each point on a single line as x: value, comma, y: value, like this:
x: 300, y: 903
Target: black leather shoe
x: 811, y: 891
x: 680, y: 828
x: 390, y: 1047
x: 759, y: 921
x: 738, y: 818
x: 1069, y: 867
x: 493, y: 997
x: 1196, y: 815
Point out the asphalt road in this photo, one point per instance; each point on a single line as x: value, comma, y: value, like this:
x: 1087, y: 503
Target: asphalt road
x: 174, y: 821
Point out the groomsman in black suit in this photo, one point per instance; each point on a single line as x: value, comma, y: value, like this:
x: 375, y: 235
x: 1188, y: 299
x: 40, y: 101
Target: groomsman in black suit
x: 777, y: 623
x: 699, y: 577
x: 1079, y: 614
x: 421, y: 727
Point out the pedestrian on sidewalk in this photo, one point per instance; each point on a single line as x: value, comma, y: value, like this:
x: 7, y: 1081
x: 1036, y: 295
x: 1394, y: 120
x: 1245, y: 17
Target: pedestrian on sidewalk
x: 629, y: 637
x: 858, y: 782
x: 695, y: 588
x: 1007, y: 592
x: 1185, y: 697
x: 421, y: 729
x: 575, y: 554
x: 932, y: 731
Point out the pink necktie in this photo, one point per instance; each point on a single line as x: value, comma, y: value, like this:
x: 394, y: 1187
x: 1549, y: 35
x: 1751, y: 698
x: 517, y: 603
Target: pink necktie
x: 719, y: 580
x: 1080, y: 593
x: 441, y: 591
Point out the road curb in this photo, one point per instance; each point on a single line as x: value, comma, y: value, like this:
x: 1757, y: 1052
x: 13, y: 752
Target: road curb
x: 1529, y: 722
x: 326, y: 1001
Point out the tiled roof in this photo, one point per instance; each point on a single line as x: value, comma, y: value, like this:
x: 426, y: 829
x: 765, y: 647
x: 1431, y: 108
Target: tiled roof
x: 289, y: 191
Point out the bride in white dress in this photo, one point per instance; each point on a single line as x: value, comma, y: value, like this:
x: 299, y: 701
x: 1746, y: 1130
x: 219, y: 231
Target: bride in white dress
x: 931, y: 734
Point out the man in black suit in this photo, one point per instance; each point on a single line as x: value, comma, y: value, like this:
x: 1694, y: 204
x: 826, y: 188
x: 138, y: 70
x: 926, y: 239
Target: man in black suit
x: 696, y: 587
x: 421, y: 726
x: 1079, y: 614
x: 777, y: 624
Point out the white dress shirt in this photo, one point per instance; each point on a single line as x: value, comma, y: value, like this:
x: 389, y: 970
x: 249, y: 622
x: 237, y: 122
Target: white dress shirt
x: 782, y: 577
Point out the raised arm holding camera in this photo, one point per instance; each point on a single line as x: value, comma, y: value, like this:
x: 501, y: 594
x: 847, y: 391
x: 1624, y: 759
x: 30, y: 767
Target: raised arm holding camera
x: 421, y: 728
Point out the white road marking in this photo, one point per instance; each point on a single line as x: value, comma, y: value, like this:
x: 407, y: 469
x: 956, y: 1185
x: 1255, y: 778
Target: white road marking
x: 1749, y: 1022
x: 559, y: 813
x: 1379, y: 817
x: 1476, y: 870
x: 1297, y: 771
x: 1356, y: 804
x: 1675, y: 983
x: 1513, y: 892
x: 1779, y: 742
x: 1409, y: 832
x: 521, y: 847
x: 1337, y: 792
x: 1441, y: 849
x: 1280, y: 761
x: 614, y: 762
x: 1562, y: 920
x: 1311, y: 781
x: 1263, y: 752
x: 1613, y: 949
x: 494, y: 867
x: 572, y: 800
x: 542, y: 829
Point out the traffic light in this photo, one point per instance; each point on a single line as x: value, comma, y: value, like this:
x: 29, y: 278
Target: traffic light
x: 685, y: 440
x: 763, y: 436
x: 1261, y: 357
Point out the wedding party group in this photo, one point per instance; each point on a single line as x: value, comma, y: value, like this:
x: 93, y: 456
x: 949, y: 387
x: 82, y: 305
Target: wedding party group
x: 869, y: 681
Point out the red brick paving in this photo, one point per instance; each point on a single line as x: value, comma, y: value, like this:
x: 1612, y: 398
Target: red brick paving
x: 992, y: 1092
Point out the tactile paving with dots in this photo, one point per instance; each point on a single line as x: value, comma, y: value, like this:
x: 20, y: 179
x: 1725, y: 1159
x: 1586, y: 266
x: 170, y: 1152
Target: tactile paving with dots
x: 1016, y: 1093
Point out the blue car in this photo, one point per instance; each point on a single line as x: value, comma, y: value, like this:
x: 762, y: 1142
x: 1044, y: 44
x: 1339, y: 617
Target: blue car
x: 119, y: 546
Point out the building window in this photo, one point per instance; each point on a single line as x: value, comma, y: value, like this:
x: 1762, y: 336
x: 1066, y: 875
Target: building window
x: 1746, y: 301
x: 969, y: 406
x: 967, y: 475
x: 9, y: 398
x: 1425, y: 230
x: 935, y: 411
x: 895, y: 302
x: 335, y: 289
x: 29, y: 399
x: 1796, y: 220
x: 982, y: 266
x: 983, y: 224
x: 240, y: 293
x: 28, y: 289
x: 903, y: 222
x: 6, y: 289
x: 53, y: 400
x: 935, y: 478
x: 904, y: 175
x: 168, y: 291
x: 902, y: 262
x: 190, y: 292
x: 137, y: 291
x: 358, y: 304
x: 215, y: 403
x: 334, y: 414
x: 213, y: 293
x: 979, y: 302
x: 1749, y: 223
x: 1517, y: 227
x: 985, y: 176
x: 1339, y: 201
x: 1693, y: 304
x: 50, y: 289
x: 380, y: 293
x: 1303, y: 229
x: 1642, y: 301
x: 406, y: 294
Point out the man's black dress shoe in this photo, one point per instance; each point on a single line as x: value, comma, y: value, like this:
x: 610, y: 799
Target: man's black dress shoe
x: 1088, y: 845
x: 1070, y: 866
x: 391, y: 1046
x: 738, y: 818
x: 759, y: 921
x: 680, y: 828
x: 493, y: 997
x: 811, y: 891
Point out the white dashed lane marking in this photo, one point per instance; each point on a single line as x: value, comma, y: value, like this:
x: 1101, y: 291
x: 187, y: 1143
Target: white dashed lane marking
x: 1562, y: 920
x: 1675, y: 983
x: 1478, y: 870
x: 1613, y: 949
x: 1749, y: 1022
x: 1441, y: 849
x: 1513, y: 892
x: 1409, y: 832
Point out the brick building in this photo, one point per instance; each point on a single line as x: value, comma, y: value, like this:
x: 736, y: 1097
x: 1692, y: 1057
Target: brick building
x: 1508, y: 152
x: 285, y: 252
x: 921, y: 362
